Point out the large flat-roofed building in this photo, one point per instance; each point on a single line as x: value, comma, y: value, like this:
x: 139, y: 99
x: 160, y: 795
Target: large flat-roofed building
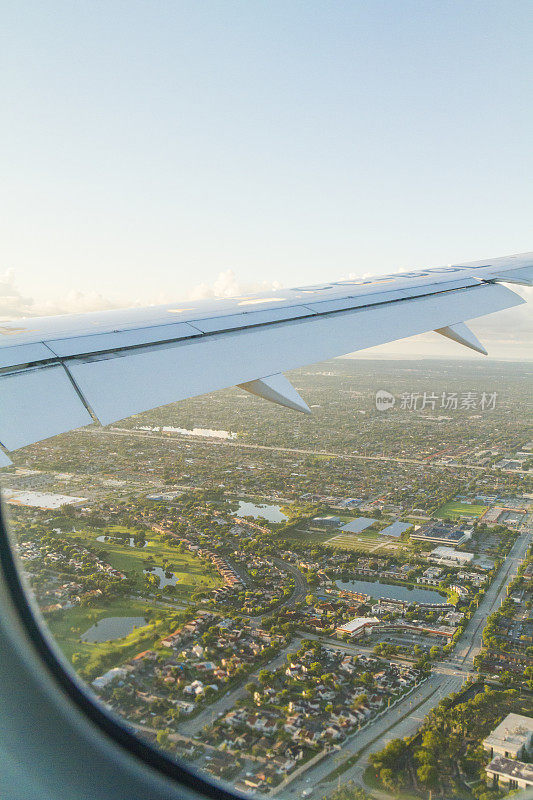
x: 359, y: 626
x: 44, y: 500
x: 448, y: 555
x: 491, y: 516
x: 357, y: 525
x: 512, y: 774
x: 395, y: 529
x: 441, y: 533
x: 513, y: 738
x: 327, y: 521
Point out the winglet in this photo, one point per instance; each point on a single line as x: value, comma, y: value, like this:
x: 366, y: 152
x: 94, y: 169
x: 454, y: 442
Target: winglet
x: 277, y: 389
x: 522, y: 276
x: 462, y: 334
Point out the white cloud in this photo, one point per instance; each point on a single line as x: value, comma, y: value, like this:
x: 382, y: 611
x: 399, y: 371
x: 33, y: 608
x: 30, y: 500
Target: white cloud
x: 228, y: 285
x: 14, y: 305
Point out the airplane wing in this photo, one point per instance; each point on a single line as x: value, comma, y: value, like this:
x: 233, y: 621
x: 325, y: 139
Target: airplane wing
x: 63, y: 372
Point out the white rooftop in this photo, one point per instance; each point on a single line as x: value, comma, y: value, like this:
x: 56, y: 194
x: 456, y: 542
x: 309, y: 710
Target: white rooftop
x: 39, y: 499
x: 107, y: 677
x: 357, y: 623
x: 514, y: 730
x: 450, y: 554
x: 396, y: 529
x: 357, y: 525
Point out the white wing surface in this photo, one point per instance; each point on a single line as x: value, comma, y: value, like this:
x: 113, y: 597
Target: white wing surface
x: 63, y: 372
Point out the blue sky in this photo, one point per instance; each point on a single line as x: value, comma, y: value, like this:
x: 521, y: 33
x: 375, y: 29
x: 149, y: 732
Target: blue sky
x: 151, y: 146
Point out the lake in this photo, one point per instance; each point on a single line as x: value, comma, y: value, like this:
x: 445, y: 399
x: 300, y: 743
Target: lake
x: 160, y: 572
x: 130, y: 542
x: 269, y: 512
x: 110, y: 628
x: 379, y: 590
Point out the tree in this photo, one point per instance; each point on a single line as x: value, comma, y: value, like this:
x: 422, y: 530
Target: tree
x: 391, y: 757
x: 506, y: 678
x: 349, y: 791
x: 387, y: 778
x: 360, y: 700
x: 427, y: 774
x: 162, y: 738
x: 264, y: 676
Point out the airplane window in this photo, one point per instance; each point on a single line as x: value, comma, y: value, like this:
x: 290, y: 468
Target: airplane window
x: 335, y: 605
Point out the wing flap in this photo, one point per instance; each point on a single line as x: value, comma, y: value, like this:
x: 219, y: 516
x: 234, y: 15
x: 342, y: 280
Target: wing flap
x: 37, y: 404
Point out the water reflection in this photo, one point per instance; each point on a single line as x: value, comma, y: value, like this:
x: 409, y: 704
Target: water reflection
x: 379, y: 590
x: 270, y: 512
x: 166, y: 578
x: 130, y: 542
x: 110, y: 628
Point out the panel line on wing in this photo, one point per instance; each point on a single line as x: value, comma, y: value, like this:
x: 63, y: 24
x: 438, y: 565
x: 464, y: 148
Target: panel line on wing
x: 80, y: 394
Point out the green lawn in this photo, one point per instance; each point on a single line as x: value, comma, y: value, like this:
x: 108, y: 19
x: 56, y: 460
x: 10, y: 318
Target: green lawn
x: 91, y: 659
x: 307, y: 537
x: 69, y: 625
x: 192, y: 573
x: 455, y: 509
x: 361, y: 541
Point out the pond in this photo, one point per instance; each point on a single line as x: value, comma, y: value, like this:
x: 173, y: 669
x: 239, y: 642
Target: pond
x: 126, y: 542
x: 379, y: 590
x: 110, y: 628
x: 269, y: 512
x: 162, y: 575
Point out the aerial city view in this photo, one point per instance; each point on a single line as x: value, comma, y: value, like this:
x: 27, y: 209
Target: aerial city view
x: 266, y: 371
x: 327, y: 606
